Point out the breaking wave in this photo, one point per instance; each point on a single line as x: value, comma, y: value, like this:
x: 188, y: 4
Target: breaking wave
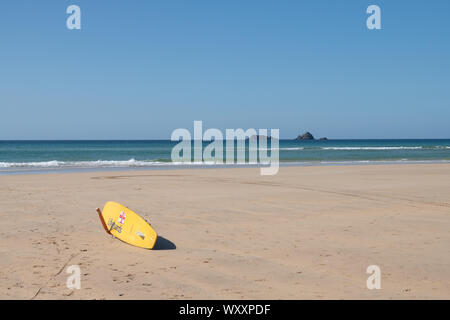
x: 371, y: 148
x: 81, y: 164
x: 109, y: 164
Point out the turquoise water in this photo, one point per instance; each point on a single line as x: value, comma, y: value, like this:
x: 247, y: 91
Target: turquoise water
x: 37, y: 155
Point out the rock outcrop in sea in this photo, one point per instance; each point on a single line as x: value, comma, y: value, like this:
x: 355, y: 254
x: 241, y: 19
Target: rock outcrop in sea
x: 305, y: 136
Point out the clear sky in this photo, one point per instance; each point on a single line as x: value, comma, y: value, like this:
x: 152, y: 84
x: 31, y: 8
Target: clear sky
x: 140, y: 69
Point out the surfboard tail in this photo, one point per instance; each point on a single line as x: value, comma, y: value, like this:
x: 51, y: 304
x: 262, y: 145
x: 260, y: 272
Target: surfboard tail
x: 102, y: 220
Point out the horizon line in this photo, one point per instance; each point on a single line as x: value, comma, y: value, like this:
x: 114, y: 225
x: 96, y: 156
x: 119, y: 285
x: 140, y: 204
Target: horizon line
x: 289, y: 139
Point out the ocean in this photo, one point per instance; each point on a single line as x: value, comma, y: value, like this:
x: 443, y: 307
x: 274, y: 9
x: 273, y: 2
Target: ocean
x: 44, y: 156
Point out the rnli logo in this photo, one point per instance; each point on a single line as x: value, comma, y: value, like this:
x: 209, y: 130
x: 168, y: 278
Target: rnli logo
x: 122, y: 217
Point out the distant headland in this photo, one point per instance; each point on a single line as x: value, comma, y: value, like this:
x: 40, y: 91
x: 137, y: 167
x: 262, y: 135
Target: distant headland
x: 261, y: 136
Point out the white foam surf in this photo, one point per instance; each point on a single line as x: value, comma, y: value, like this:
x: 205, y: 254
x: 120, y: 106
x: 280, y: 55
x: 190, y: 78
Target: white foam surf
x: 80, y: 164
x: 372, y: 148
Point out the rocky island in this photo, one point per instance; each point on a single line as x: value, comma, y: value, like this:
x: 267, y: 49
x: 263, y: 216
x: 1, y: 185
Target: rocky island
x: 305, y: 136
x: 308, y: 136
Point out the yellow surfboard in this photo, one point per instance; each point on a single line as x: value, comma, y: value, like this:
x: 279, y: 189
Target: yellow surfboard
x: 127, y: 225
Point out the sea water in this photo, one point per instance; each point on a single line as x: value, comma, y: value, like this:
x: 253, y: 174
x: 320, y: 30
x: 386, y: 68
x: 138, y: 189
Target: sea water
x: 22, y: 156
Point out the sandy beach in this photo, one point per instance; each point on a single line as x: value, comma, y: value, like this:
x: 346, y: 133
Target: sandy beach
x: 306, y: 233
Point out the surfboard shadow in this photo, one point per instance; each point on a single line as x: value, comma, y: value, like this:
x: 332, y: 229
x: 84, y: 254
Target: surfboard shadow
x: 164, y: 244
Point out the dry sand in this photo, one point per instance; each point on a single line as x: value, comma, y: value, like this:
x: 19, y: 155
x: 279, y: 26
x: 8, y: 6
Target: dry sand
x: 308, y: 232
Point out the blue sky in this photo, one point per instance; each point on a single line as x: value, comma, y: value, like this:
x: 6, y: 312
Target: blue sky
x: 140, y: 69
